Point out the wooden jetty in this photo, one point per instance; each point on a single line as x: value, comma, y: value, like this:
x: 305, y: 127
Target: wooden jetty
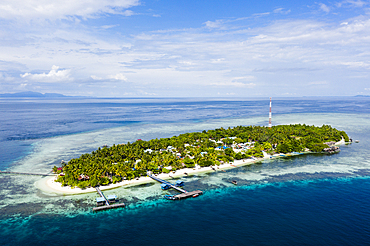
x: 120, y: 205
x: 184, y: 194
x: 106, y: 201
x: 188, y: 194
x: 168, y: 183
x: 19, y: 173
x: 102, y: 195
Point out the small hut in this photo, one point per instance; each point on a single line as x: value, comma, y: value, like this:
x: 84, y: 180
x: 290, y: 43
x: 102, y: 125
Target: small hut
x: 100, y: 201
x: 112, y: 198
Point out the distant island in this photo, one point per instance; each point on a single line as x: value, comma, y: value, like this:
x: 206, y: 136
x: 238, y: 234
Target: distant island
x: 195, y: 151
x: 362, y: 96
x: 32, y: 94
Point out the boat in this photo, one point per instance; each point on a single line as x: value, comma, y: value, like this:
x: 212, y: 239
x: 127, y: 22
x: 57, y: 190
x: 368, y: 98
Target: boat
x: 195, y: 195
x: 357, y: 141
x: 234, y: 182
x: 169, y: 197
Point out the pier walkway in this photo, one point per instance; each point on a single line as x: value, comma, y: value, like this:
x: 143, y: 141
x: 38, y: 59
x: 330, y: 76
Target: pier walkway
x: 184, y: 194
x: 168, y: 183
x: 19, y: 173
x: 102, y: 195
x: 107, y: 204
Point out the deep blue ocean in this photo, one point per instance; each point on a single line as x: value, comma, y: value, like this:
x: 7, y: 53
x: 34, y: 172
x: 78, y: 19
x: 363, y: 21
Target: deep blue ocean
x: 303, y: 200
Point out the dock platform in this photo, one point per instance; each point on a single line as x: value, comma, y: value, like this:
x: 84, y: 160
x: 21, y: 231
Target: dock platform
x: 184, y: 194
x: 188, y: 194
x: 120, y: 205
x: 102, y: 198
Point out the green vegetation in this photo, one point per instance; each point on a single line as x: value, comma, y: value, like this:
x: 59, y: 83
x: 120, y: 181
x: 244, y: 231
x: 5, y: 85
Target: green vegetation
x: 212, y: 147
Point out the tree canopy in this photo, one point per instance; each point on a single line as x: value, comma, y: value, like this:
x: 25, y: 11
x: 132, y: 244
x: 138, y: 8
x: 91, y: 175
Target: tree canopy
x: 128, y: 161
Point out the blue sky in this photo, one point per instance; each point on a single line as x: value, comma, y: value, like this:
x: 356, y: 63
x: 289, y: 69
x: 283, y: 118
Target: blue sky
x: 155, y: 48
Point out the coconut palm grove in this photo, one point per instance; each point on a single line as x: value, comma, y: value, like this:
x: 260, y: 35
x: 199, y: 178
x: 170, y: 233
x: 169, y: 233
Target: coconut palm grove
x: 207, y: 148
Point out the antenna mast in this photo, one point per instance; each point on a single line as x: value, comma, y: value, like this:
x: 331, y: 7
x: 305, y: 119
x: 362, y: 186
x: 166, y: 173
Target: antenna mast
x: 270, y: 115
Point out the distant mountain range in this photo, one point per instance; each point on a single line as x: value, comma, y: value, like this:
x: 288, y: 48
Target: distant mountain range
x: 31, y: 94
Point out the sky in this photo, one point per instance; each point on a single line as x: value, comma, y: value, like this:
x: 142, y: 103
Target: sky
x: 192, y: 48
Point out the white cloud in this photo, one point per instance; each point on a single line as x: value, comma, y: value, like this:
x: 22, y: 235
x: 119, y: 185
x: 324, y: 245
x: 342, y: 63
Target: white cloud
x: 261, y: 14
x: 56, y: 9
x: 96, y: 77
x: 219, y: 60
x: 5, y: 77
x: 355, y: 3
x: 318, y: 83
x: 125, y: 13
x: 279, y: 55
x: 214, y: 24
x: 144, y: 36
x: 55, y: 75
x: 352, y: 4
x: 187, y: 63
x: 118, y: 76
x: 243, y: 79
x: 356, y: 64
x: 233, y: 84
x: 324, y: 7
x: 145, y: 93
x: 281, y: 11
x: 237, y: 82
x: 109, y: 26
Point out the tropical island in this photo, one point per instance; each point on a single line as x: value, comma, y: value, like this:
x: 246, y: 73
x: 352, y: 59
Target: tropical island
x: 197, y: 150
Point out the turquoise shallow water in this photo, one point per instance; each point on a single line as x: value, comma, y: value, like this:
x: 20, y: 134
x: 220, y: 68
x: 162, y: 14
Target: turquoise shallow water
x: 305, y: 200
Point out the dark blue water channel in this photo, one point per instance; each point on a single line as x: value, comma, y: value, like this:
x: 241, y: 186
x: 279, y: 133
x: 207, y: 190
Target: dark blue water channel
x: 312, y: 212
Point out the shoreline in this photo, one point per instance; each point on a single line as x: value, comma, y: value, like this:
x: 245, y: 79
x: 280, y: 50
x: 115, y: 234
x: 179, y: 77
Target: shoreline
x: 48, y: 184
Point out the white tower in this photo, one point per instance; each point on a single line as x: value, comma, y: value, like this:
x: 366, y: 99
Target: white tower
x: 270, y: 115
